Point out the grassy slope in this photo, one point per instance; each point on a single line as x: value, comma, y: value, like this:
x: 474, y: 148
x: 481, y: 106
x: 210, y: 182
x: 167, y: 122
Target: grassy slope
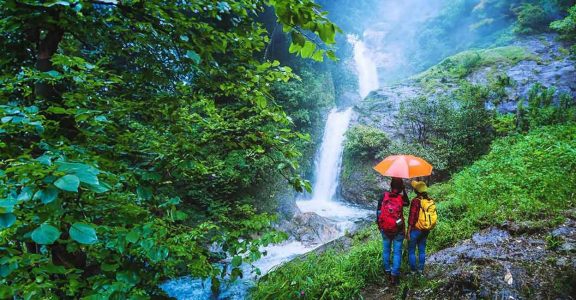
x: 458, y: 66
x: 524, y: 178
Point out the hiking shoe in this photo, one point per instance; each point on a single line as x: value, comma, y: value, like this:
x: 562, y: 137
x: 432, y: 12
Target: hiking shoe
x: 395, y: 280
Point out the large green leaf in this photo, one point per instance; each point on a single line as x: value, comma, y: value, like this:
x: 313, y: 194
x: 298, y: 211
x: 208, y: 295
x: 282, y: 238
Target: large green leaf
x: 85, y: 173
x: 133, y: 236
x: 308, y: 49
x: 25, y: 194
x: 7, y: 206
x: 68, y: 183
x: 7, y: 220
x: 101, y: 187
x: 128, y: 277
x: 45, y: 234
x: 193, y: 56
x: 83, y: 233
x: 6, y: 269
x: 47, y: 195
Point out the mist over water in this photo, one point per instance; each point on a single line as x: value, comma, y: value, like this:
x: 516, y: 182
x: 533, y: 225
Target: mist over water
x: 407, y: 37
x: 365, y: 67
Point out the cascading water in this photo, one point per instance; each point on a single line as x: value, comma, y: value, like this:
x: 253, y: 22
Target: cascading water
x: 327, y: 172
x: 365, y: 67
x: 322, y: 202
x: 328, y: 165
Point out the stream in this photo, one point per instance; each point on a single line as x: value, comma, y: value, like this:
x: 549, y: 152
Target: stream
x: 323, y: 200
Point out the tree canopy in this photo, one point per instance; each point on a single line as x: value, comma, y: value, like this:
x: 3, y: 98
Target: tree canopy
x: 129, y: 130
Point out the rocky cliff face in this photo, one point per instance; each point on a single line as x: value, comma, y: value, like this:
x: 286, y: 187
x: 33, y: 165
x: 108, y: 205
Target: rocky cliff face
x: 537, y: 59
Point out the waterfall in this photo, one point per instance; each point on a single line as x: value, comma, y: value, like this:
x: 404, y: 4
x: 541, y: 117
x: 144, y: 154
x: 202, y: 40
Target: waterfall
x: 330, y: 156
x: 328, y: 168
x: 327, y: 173
x: 365, y: 67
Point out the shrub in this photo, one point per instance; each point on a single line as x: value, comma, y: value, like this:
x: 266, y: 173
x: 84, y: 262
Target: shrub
x: 531, y: 19
x: 365, y: 141
x: 567, y: 27
x: 542, y: 110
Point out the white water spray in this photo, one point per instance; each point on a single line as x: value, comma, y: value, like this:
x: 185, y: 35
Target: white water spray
x: 365, y: 66
x: 327, y: 172
x: 328, y: 168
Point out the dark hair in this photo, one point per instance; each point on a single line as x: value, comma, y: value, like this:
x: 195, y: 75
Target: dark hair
x: 396, y: 184
x: 423, y: 194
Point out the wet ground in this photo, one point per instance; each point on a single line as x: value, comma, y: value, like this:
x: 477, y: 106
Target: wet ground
x: 512, y: 261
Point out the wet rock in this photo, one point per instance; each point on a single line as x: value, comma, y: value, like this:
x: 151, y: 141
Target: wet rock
x: 360, y: 184
x: 310, y: 229
x: 494, y: 264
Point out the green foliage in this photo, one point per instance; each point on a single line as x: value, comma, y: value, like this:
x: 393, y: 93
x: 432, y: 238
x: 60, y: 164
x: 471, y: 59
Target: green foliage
x: 567, y: 27
x: 451, y: 131
x: 305, y: 99
x: 128, y: 130
x: 553, y: 242
x: 517, y: 181
x: 524, y: 178
x: 330, y: 275
x: 531, y: 19
x: 365, y: 141
x: 464, y: 63
x: 504, y: 124
x: 299, y: 17
x: 541, y: 109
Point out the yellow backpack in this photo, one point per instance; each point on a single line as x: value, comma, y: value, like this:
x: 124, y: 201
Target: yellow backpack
x: 427, y: 216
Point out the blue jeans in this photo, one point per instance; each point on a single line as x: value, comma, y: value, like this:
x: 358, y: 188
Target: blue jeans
x: 417, y: 238
x: 386, y: 247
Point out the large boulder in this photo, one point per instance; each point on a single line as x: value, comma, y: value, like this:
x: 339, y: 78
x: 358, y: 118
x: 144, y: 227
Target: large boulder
x: 310, y: 229
x: 496, y: 264
x: 360, y: 184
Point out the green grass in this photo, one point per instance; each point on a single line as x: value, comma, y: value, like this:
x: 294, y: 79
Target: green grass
x: 524, y: 178
x: 458, y: 66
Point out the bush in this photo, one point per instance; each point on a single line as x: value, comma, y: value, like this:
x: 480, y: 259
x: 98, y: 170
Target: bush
x: 454, y: 130
x: 542, y: 110
x: 567, y: 27
x: 531, y: 19
x: 365, y: 141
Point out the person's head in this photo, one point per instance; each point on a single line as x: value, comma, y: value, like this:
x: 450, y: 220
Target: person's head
x: 419, y: 187
x: 396, y: 185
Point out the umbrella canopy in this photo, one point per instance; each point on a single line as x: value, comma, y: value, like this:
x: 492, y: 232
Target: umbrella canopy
x: 404, y: 166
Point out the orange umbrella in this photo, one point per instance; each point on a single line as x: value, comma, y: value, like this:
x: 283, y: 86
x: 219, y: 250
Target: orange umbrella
x: 404, y: 166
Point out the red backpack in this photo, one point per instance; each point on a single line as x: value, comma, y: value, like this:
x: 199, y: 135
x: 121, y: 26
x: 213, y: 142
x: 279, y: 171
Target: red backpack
x: 391, y: 219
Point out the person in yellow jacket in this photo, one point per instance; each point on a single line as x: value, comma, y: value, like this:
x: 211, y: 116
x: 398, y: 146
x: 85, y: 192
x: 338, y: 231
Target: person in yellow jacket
x: 421, y: 220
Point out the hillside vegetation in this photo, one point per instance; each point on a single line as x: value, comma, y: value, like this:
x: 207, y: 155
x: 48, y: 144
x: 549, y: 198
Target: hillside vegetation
x: 524, y: 178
